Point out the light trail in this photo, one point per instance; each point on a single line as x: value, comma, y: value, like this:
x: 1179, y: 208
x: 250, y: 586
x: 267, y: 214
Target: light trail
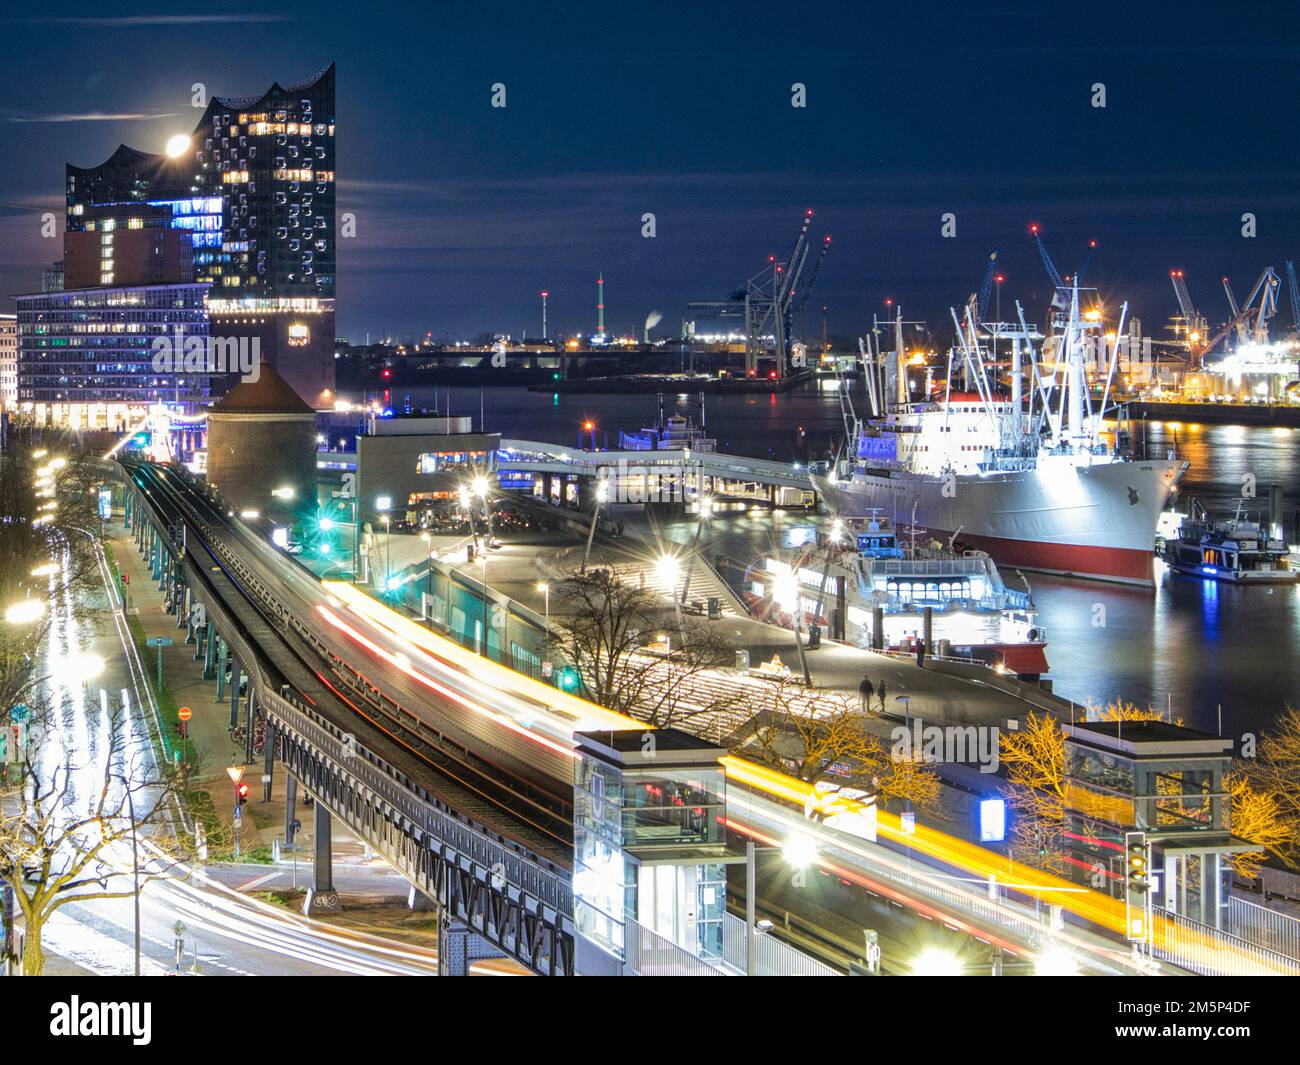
x: 498, y: 682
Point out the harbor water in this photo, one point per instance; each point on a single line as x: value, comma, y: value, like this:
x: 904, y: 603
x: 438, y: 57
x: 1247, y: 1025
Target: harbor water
x: 1203, y: 650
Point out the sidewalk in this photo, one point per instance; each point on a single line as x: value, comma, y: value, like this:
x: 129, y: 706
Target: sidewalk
x: 209, y: 746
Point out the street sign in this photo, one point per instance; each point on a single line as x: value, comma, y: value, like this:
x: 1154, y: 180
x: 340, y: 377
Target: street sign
x: 185, y: 713
x: 158, y: 641
x: 239, y: 815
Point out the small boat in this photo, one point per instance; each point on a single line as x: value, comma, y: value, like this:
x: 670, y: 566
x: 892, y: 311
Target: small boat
x: 676, y: 431
x: 865, y: 565
x: 1237, y: 550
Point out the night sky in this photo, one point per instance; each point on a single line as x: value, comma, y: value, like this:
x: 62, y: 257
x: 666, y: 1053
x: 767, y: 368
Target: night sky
x: 465, y: 212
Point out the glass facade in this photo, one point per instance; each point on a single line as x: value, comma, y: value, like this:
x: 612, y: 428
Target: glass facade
x: 271, y: 159
x: 255, y: 191
x: 1176, y: 799
x: 96, y: 345
x: 647, y: 844
x: 253, y: 196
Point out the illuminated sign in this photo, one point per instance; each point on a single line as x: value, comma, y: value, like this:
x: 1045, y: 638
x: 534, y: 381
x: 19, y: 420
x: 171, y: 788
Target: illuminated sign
x: 299, y: 336
x: 993, y: 820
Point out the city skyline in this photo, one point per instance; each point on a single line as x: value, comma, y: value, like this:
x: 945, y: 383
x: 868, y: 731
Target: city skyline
x: 464, y: 212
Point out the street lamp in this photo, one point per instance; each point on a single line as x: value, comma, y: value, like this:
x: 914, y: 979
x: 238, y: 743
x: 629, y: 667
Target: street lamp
x: 388, y: 549
x: 602, y: 495
x: 706, y: 512
x: 936, y: 961
x: 799, y: 852
x: 786, y: 592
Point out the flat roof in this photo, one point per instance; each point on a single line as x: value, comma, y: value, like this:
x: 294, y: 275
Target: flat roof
x: 630, y: 747
x: 1150, y: 738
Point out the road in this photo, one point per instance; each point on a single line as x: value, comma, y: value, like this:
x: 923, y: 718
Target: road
x: 231, y: 933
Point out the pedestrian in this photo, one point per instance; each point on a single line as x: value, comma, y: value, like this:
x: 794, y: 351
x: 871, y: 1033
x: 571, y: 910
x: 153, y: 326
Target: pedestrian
x: 881, y: 690
x: 865, y: 693
x: 920, y: 654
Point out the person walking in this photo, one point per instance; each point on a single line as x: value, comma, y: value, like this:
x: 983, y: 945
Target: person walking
x: 880, y: 690
x: 865, y: 692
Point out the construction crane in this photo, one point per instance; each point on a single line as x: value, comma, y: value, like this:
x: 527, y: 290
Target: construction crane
x: 1058, y: 282
x: 1087, y: 261
x: 1060, y: 297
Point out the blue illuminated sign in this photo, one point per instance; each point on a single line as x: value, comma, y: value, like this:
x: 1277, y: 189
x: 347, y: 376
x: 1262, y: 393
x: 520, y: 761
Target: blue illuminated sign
x: 993, y: 820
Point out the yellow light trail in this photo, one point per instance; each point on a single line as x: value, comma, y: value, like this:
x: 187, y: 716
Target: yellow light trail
x: 970, y: 858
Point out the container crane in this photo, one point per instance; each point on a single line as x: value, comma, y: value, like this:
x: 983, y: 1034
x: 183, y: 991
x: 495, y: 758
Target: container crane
x: 1294, y: 290
x: 1251, y: 318
x: 1193, y: 320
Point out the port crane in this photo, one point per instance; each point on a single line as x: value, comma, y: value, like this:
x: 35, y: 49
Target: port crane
x: 1294, y: 291
x: 1060, y: 285
x: 1193, y: 320
x: 771, y: 299
x: 1250, y: 319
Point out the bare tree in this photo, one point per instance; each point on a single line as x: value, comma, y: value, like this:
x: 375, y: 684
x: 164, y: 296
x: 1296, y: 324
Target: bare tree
x: 607, y: 630
x: 70, y: 825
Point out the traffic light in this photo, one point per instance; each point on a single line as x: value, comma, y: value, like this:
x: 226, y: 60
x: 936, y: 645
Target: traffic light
x: 242, y: 791
x: 569, y: 679
x: 1135, y: 847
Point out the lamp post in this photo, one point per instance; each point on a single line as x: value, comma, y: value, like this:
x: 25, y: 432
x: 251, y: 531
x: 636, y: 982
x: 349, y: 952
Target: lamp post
x: 545, y: 588
x: 798, y: 852
x: 602, y: 495
x: 706, y: 512
x: 388, y: 550
x: 789, y: 595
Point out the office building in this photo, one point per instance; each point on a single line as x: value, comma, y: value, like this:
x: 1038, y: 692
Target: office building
x: 254, y: 192
x: 8, y: 361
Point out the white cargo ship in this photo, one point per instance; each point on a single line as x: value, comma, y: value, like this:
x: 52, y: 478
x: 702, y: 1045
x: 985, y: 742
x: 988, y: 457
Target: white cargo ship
x: 1036, y: 488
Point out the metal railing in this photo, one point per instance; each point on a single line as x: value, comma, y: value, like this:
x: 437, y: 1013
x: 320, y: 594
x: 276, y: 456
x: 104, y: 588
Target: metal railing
x: 772, y: 957
x: 1264, y: 927
x: 649, y: 954
x: 1211, y: 952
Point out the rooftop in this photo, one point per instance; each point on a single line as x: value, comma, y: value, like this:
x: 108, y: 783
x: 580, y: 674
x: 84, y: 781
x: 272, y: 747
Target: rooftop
x: 269, y: 394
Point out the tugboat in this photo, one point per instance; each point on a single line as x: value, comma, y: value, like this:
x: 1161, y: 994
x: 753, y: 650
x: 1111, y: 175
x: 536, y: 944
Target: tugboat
x: 864, y: 566
x: 1237, y: 550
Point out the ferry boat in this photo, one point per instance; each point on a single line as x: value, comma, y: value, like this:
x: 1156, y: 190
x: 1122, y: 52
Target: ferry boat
x: 667, y: 433
x: 1236, y: 550
x: 863, y: 566
x: 1036, y: 488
